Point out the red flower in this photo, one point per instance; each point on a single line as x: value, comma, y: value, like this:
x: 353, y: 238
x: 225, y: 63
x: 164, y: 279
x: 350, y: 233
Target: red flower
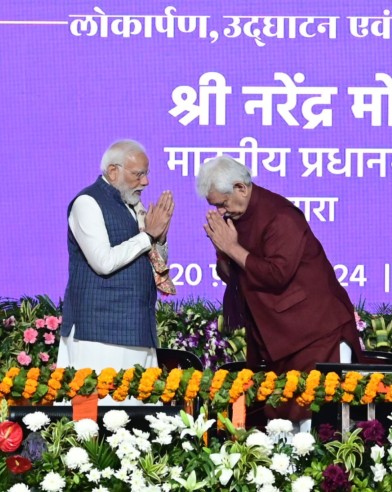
x: 11, y: 436
x: 18, y: 464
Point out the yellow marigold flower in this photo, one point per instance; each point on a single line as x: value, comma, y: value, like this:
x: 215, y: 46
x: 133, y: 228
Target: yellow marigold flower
x: 331, y: 383
x: 172, y: 383
x: 291, y: 384
x: 312, y: 382
x: 372, y: 387
x: 122, y: 391
x: 147, y: 381
x: 237, y: 387
x: 267, y: 386
x: 217, y: 382
x: 193, y: 386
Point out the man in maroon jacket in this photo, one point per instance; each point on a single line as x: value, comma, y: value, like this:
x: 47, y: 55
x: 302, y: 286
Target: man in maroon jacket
x: 279, y: 280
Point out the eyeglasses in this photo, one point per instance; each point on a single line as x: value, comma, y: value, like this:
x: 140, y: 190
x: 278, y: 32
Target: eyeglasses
x: 138, y: 174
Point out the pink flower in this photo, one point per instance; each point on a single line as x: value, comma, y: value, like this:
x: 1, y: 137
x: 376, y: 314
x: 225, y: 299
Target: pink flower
x: 53, y: 367
x: 44, y: 356
x: 23, y: 359
x: 52, y: 323
x: 361, y: 325
x: 40, y: 323
x: 49, y: 338
x: 30, y: 335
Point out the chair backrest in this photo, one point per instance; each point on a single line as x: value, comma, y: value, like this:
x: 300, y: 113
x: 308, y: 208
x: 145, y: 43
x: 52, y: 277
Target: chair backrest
x: 172, y: 359
x: 239, y: 365
x: 377, y: 357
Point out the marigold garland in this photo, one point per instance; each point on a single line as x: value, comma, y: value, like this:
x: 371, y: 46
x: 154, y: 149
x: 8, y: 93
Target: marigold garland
x: 147, y: 381
x: 218, y: 389
x: 217, y: 382
x: 331, y: 383
x: 78, y: 381
x: 312, y: 382
x: 172, y: 383
x: 8, y: 380
x: 372, y: 387
x: 349, y: 385
x: 291, y: 385
x: 105, y: 381
x: 193, y: 386
x: 237, y: 387
x: 54, y: 385
x: 31, y: 383
x: 122, y: 391
x: 267, y: 386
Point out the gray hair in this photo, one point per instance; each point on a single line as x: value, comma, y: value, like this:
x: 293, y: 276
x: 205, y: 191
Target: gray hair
x: 118, y: 153
x: 221, y: 173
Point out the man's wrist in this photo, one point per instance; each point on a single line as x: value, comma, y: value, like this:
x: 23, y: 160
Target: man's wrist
x: 150, y: 237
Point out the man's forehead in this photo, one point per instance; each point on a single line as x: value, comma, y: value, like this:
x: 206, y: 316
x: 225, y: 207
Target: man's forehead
x: 216, y: 198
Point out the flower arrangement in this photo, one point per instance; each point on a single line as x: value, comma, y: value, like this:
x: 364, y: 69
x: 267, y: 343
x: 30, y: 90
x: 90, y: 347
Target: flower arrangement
x: 29, y: 332
x: 197, y: 326
x: 172, y: 455
x: 375, y: 330
x: 217, y: 389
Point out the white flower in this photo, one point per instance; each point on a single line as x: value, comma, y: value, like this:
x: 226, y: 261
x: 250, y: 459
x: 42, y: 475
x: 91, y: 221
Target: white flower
x: 94, y: 475
x: 86, y: 429
x: 187, y: 446
x: 53, y: 482
x: 280, y: 463
x: 279, y: 426
x: 36, y: 420
x: 377, y: 453
x: 263, y: 476
x: 122, y: 435
x: 86, y: 467
x: 76, y: 457
x: 280, y: 430
x: 115, y: 419
x: 302, y: 484
x: 19, y: 487
x: 175, y: 471
x: 163, y: 439
x: 100, y: 489
x: 225, y: 464
x: 268, y: 488
x: 107, y: 472
x: 379, y: 472
x: 196, y: 427
x: 303, y: 443
x: 260, y: 440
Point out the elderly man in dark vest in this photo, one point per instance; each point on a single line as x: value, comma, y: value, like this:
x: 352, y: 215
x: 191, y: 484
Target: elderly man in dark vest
x: 280, y: 284
x: 109, y: 303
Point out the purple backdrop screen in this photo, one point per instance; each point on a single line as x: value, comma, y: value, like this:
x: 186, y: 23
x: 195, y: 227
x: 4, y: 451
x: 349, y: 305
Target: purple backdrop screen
x: 300, y: 92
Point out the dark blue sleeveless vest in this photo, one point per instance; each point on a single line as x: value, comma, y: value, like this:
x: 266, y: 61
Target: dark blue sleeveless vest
x: 118, y: 308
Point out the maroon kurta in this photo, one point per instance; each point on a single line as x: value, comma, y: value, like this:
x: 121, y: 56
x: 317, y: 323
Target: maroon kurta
x: 297, y: 311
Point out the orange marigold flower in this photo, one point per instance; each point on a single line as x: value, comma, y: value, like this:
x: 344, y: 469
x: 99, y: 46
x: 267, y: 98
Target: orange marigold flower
x: 172, y: 383
x: 217, y: 382
x: 237, y: 387
x: 267, y: 386
x: 193, y: 386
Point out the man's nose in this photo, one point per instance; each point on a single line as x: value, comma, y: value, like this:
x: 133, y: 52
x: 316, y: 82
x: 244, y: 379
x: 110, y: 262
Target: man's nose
x: 221, y: 210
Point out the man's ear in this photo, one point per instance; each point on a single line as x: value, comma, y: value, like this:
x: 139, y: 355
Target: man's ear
x: 241, y: 188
